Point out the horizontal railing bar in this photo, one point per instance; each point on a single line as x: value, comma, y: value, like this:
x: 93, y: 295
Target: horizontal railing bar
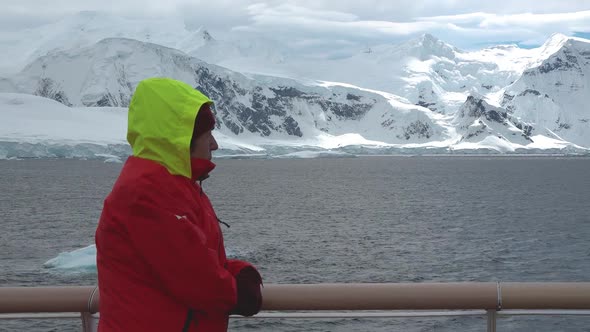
x: 427, y: 296
x: 304, y: 297
x: 400, y: 296
x: 48, y: 299
x: 299, y: 315
x: 360, y: 314
x: 341, y: 314
x: 516, y: 312
x: 43, y: 315
x: 545, y: 295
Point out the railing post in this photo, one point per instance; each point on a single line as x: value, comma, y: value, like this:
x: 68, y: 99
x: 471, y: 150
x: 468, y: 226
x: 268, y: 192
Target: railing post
x: 89, y: 323
x: 492, y: 315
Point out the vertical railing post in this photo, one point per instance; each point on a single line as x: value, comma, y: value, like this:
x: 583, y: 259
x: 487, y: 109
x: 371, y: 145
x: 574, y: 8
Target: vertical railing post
x: 89, y: 323
x: 492, y: 315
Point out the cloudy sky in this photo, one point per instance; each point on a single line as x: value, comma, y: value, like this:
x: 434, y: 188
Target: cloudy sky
x: 330, y: 23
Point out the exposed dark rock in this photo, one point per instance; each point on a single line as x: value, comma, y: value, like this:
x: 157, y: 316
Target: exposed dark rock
x: 558, y: 64
x: 430, y: 106
x: 48, y: 88
x: 266, y: 108
x: 526, y: 129
x: 428, y: 98
x: 350, y: 96
x: 287, y: 92
x: 105, y: 101
x: 476, y: 108
x: 529, y: 91
x: 344, y: 111
x: 418, y: 129
x: 292, y: 127
x: 479, y: 131
x: 506, y: 98
x: 387, y: 123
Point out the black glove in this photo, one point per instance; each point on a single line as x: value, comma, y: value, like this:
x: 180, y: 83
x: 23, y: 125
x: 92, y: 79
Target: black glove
x: 248, y: 282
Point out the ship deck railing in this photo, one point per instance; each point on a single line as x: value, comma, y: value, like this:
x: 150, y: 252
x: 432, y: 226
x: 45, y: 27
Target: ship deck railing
x: 335, y: 301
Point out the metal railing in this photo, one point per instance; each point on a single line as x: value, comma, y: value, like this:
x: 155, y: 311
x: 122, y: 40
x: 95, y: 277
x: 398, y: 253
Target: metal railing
x: 339, y: 301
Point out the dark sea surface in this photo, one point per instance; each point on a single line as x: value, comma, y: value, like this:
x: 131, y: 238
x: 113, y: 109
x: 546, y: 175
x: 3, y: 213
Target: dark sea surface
x: 368, y: 219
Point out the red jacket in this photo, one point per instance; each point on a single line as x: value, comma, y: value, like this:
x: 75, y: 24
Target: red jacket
x: 161, y: 254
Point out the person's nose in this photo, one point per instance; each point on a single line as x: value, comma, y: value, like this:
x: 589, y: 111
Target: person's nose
x: 213, y: 146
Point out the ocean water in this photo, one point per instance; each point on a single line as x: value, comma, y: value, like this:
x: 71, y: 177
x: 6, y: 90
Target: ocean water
x: 369, y: 219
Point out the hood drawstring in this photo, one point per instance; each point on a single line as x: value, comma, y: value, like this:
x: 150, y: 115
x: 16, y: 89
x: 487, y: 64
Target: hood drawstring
x: 201, y: 186
x: 201, y: 179
x: 224, y: 223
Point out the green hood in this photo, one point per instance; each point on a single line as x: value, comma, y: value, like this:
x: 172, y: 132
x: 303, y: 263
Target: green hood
x: 162, y: 116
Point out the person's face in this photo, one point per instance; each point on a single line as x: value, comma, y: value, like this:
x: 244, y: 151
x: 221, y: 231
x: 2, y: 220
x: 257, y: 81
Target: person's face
x: 203, y: 145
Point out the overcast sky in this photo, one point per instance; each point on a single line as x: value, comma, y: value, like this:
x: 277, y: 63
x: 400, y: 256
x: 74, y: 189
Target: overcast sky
x: 466, y: 24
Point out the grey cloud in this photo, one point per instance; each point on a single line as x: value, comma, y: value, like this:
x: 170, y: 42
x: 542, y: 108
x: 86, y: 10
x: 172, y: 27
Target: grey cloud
x: 326, y: 24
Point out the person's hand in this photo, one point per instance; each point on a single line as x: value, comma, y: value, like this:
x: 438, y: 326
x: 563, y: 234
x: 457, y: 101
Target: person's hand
x: 248, y: 282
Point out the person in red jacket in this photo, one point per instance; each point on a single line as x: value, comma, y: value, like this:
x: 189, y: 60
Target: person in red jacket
x: 160, y: 254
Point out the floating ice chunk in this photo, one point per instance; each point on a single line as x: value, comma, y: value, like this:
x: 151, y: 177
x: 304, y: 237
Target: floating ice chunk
x: 80, y: 260
x: 315, y: 154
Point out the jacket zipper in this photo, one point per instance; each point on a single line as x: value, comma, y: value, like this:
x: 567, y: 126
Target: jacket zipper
x: 187, y: 322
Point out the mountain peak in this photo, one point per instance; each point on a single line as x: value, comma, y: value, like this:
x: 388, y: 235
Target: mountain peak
x: 428, y: 45
x: 557, y: 38
x: 426, y: 37
x: 555, y: 42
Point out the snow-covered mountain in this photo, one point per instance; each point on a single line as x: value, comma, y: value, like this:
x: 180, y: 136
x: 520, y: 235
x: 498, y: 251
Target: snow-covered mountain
x: 89, y: 27
x: 107, y: 73
x: 555, y: 94
x: 423, y: 93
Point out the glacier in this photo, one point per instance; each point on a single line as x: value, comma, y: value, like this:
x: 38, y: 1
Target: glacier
x: 37, y: 127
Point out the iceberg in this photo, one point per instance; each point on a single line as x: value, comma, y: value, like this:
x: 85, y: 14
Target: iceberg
x: 80, y: 260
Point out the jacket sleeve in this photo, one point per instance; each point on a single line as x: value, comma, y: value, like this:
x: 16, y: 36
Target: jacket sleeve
x: 234, y: 266
x: 176, y: 251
